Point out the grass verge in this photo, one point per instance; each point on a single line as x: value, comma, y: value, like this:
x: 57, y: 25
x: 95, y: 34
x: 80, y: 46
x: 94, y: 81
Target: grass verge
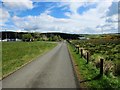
x: 89, y: 76
x: 0, y: 59
x: 16, y: 54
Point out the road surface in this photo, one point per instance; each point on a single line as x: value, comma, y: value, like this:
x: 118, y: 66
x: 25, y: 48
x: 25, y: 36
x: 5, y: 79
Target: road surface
x: 52, y: 70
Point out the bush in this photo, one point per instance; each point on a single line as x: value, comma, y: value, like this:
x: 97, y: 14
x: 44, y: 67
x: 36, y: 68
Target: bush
x: 117, y: 68
x: 27, y: 37
x: 108, y: 67
x: 55, y: 38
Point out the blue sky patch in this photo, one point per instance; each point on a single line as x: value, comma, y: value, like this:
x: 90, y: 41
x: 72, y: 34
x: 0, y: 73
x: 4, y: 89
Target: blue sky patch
x: 83, y: 9
x: 59, y: 12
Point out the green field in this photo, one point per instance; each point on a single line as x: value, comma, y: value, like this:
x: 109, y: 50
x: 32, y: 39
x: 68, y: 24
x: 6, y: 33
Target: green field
x: 0, y: 59
x: 16, y: 54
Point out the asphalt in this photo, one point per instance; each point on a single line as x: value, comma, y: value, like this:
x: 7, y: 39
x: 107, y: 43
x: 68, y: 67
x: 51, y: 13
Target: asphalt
x: 52, y: 70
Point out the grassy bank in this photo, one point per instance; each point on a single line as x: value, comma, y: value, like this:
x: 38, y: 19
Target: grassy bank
x: 16, y: 54
x: 89, y: 74
x: 0, y: 59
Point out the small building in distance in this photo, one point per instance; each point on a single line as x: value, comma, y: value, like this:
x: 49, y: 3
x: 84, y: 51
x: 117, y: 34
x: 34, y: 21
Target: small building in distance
x: 11, y: 35
x: 83, y: 38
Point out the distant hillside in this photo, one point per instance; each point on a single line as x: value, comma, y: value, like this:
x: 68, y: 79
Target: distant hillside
x: 13, y: 35
x: 63, y: 35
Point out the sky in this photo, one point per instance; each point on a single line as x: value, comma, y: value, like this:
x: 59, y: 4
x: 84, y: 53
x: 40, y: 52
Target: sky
x: 67, y: 16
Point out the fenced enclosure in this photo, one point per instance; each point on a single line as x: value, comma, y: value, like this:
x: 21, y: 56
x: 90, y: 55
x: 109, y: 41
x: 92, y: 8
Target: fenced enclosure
x: 107, y: 51
x: 86, y: 55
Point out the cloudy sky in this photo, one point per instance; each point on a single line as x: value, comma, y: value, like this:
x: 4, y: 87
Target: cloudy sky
x: 69, y: 16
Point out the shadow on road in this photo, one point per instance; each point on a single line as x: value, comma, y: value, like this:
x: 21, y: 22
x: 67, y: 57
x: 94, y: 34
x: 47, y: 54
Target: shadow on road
x: 94, y: 78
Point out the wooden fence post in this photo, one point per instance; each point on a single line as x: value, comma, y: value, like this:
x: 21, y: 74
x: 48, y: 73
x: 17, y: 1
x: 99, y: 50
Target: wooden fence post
x: 81, y: 52
x: 87, y: 57
x: 101, y: 66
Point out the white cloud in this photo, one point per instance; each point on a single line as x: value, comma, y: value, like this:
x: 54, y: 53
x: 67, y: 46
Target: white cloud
x: 74, y: 6
x: 18, y: 5
x: 76, y: 23
x: 42, y: 22
x: 45, y: 22
x: 113, y: 18
x: 4, y: 15
x: 88, y: 21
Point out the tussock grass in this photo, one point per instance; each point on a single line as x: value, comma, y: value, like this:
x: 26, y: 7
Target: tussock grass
x: 89, y: 74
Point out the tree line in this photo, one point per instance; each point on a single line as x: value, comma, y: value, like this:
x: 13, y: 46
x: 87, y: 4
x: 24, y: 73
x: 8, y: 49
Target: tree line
x: 40, y: 37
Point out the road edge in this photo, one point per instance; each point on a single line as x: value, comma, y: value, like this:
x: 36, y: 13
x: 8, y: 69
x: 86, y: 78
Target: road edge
x: 74, y: 71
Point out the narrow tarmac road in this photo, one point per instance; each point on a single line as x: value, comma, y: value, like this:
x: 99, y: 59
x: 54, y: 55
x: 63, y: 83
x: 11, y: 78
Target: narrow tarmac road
x: 52, y: 70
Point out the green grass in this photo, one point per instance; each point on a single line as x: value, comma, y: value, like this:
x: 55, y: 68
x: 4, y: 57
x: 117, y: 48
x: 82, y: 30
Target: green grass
x: 0, y: 59
x: 89, y: 71
x: 16, y: 54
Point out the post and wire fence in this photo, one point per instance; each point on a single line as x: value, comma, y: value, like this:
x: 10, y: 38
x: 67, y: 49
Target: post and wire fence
x: 86, y: 55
